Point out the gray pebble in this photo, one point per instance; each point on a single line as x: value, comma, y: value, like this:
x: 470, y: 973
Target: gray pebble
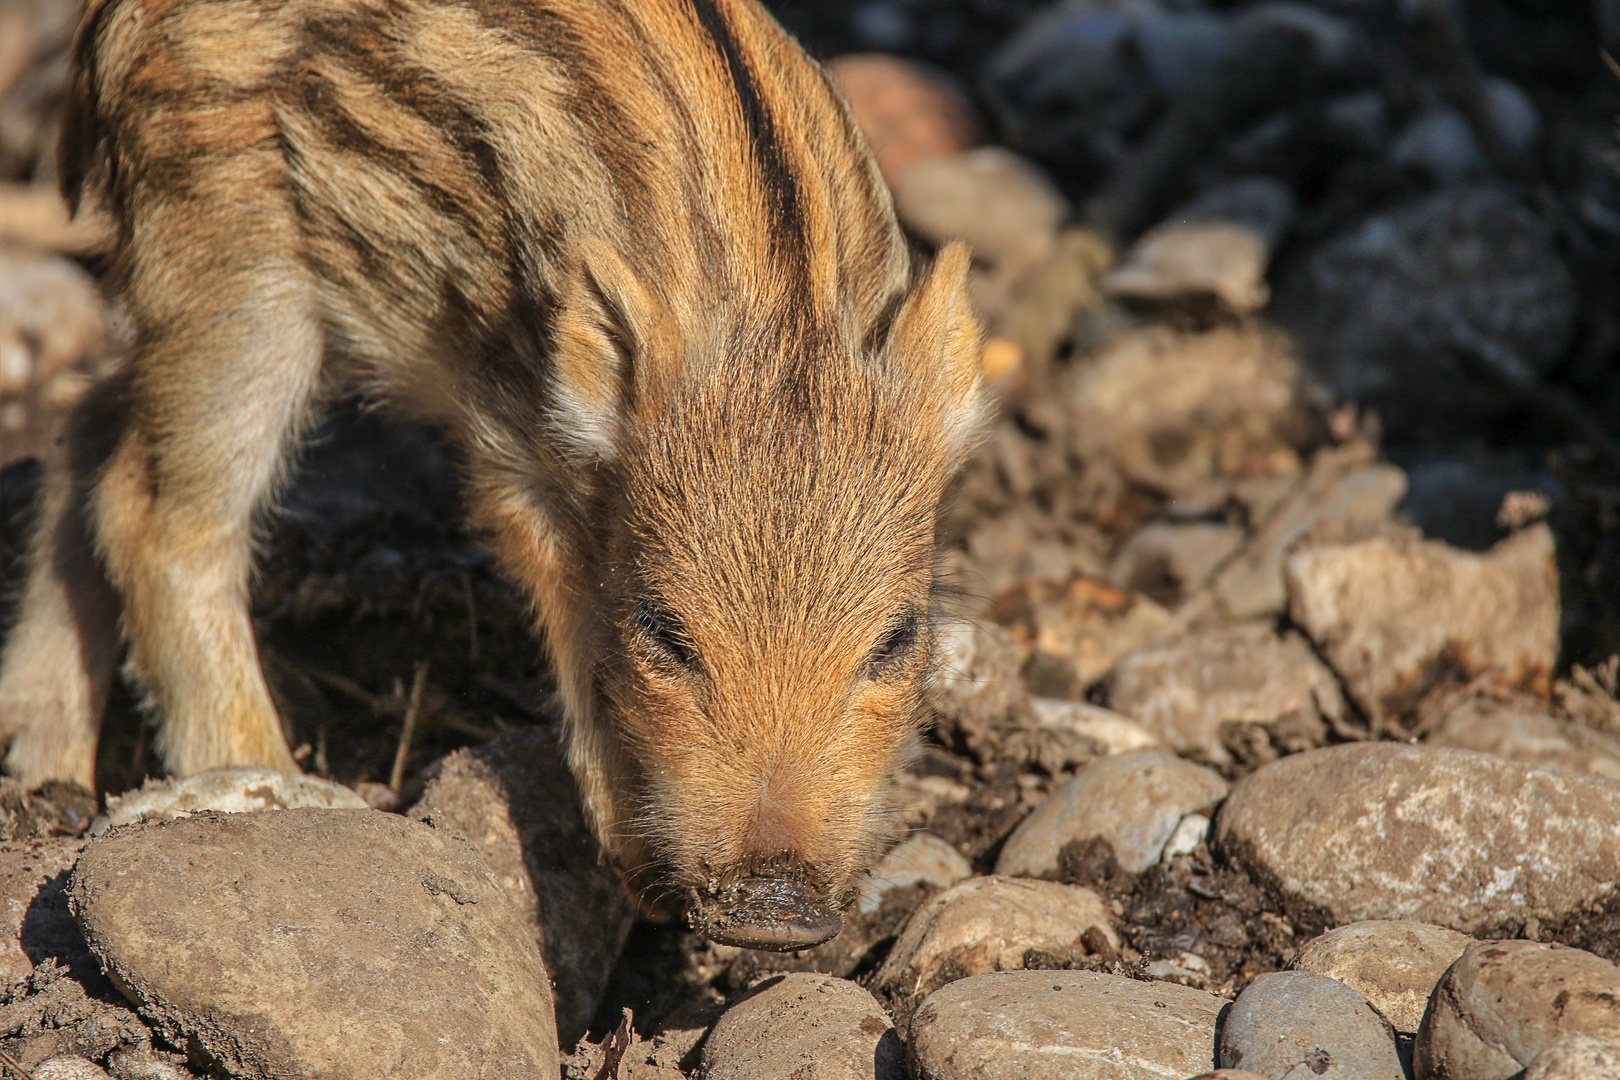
x: 1290, y: 1025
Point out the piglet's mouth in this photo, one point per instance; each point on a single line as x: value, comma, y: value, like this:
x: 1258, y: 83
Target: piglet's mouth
x: 774, y: 913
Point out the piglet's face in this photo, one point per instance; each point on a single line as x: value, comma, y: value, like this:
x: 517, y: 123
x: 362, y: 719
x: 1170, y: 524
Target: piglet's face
x: 766, y: 591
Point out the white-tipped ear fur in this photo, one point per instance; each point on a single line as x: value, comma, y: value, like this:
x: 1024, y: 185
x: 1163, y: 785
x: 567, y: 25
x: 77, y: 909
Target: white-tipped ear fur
x: 937, y: 336
x: 602, y: 330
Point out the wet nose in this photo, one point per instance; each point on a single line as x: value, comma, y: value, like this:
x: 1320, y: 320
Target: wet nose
x: 773, y: 913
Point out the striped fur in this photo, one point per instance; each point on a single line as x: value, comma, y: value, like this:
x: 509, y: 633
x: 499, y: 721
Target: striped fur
x: 635, y: 257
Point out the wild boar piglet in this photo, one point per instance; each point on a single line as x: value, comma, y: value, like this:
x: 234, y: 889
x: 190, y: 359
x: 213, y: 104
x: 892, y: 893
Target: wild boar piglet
x: 637, y: 262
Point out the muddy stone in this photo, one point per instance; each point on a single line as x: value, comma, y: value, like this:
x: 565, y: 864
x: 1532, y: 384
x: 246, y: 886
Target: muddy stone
x: 990, y: 924
x: 516, y: 799
x: 1133, y: 801
x: 1200, y: 692
x: 1080, y: 722
x: 1295, y: 1025
x: 1165, y: 561
x: 1393, y: 964
x: 321, y: 944
x: 1504, y: 1002
x: 1394, y: 614
x: 1576, y: 1057
x: 1389, y: 308
x: 1074, y: 631
x: 33, y: 905
x: 804, y: 1027
x: 1385, y: 831
x: 1066, y: 1025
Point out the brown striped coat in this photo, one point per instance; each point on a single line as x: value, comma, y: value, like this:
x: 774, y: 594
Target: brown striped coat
x: 634, y: 256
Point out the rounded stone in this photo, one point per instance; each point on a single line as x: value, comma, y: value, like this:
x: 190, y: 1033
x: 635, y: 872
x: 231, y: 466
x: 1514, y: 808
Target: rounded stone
x: 324, y: 944
x: 1451, y: 837
x: 516, y: 799
x: 1134, y: 801
x: 1504, y: 1002
x: 922, y: 859
x: 804, y: 1026
x: 1576, y: 1057
x: 1293, y: 1024
x: 1064, y: 1025
x: 1392, y: 963
x: 988, y: 924
x: 1189, y: 691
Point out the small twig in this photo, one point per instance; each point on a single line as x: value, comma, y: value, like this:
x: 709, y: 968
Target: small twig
x: 408, y: 728
x: 15, y: 1066
x: 352, y: 689
x: 472, y: 620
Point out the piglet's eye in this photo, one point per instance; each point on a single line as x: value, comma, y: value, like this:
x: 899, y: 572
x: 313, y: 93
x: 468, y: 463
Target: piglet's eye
x: 896, y: 644
x: 664, y: 632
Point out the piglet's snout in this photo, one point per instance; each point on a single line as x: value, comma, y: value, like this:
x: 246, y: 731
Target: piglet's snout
x: 777, y: 913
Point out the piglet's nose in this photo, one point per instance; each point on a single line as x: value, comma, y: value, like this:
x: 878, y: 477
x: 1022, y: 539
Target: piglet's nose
x: 766, y: 913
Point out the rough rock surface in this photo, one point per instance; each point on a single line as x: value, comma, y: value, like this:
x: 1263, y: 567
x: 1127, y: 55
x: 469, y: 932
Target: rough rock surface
x: 351, y: 943
x: 1576, y: 1057
x: 229, y: 791
x: 989, y: 924
x: 1504, y: 1002
x: 1073, y: 632
x: 1385, y: 831
x: 33, y: 906
x: 1134, y: 801
x: 516, y: 799
x: 1340, y: 489
x: 1394, y: 612
x: 1296, y: 1025
x: 131, y: 1063
x: 1066, y: 1025
x: 1200, y: 693
x: 1173, y: 411
x: 1393, y: 964
x: 68, y: 1067
x: 1523, y: 729
x: 803, y: 1026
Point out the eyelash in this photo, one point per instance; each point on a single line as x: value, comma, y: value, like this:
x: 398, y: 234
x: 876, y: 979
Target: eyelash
x: 893, y: 647
x: 664, y: 630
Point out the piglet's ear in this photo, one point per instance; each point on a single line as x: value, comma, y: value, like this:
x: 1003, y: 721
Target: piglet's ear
x: 937, y: 337
x: 604, y: 331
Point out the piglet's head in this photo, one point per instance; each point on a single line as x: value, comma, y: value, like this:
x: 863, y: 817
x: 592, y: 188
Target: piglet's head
x: 759, y: 619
